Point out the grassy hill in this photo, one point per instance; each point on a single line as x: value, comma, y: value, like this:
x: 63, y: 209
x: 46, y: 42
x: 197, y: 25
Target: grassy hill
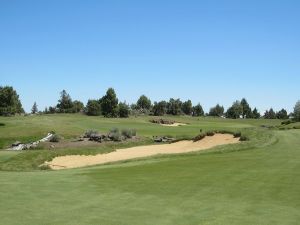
x: 252, y: 183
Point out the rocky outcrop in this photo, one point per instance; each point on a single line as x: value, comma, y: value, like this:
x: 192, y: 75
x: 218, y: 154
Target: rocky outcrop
x: 17, y: 146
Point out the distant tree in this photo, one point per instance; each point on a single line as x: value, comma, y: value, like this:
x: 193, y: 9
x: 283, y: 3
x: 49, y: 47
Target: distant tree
x: 34, y: 108
x: 282, y: 114
x: 270, y: 114
x: 235, y: 111
x: 10, y: 103
x: 134, y: 107
x: 144, y: 103
x: 174, y: 107
x: 187, y: 107
x: 77, y: 106
x: 160, y: 108
x: 124, y: 110
x: 246, y: 110
x: 216, y: 111
x: 52, y: 110
x: 255, y: 114
x: 198, y: 110
x: 65, y: 103
x: 93, y: 108
x: 46, y: 111
x: 296, y: 113
x: 109, y: 103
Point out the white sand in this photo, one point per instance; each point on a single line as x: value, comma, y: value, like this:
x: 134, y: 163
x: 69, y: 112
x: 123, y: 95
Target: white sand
x: 173, y: 125
x: 74, y: 161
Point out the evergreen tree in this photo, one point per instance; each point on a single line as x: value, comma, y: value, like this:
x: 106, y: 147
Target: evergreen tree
x: 10, y: 103
x: 255, y: 114
x: 109, y: 103
x: 296, y: 113
x: 93, y: 108
x: 143, y: 103
x: 187, y: 107
x: 124, y: 110
x: 235, y: 111
x: 246, y: 110
x: 198, y: 110
x: 34, y: 108
x: 65, y: 103
x: 216, y: 111
x: 282, y: 114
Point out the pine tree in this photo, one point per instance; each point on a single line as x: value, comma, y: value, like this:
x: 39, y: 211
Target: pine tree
x: 34, y: 108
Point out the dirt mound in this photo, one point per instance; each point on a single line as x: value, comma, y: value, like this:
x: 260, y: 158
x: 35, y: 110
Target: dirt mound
x: 74, y: 161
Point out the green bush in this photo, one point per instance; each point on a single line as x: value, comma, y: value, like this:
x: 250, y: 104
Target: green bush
x: 287, y: 122
x: 199, y: 137
x: 210, y: 133
x: 237, y: 134
x: 133, y: 132
x: 127, y: 133
x: 90, y: 133
x: 116, y: 136
x: 55, y: 138
x: 244, y: 138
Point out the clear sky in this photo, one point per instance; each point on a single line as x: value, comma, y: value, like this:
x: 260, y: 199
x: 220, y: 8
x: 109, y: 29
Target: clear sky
x: 207, y: 51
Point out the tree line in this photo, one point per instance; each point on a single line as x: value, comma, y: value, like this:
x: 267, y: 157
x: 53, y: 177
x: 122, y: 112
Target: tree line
x: 109, y: 106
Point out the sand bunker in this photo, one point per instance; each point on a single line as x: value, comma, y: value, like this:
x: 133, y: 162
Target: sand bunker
x: 74, y: 161
x: 173, y: 125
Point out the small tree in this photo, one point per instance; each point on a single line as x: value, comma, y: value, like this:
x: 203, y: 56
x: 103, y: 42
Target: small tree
x: 174, y: 106
x: 10, y: 103
x: 65, y: 103
x: 297, y: 111
x: 270, y: 114
x: 109, y: 103
x: 34, y: 108
x: 216, y: 111
x: 77, y: 106
x: 124, y: 110
x: 93, y: 108
x: 144, y: 103
x: 282, y: 114
x: 159, y: 108
x: 246, y: 110
x: 255, y: 114
x: 235, y: 111
x: 198, y: 110
x: 187, y: 107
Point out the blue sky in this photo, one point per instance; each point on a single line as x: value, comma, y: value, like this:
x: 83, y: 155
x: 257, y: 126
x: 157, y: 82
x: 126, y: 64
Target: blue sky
x: 207, y: 51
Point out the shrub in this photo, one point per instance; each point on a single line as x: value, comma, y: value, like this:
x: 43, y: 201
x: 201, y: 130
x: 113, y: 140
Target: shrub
x: 244, y: 138
x: 90, y: 133
x: 133, y: 132
x: 199, y: 137
x: 237, y: 134
x: 55, y: 138
x: 210, y: 133
x: 93, y: 108
x: 126, y: 133
x: 116, y: 136
x: 44, y: 167
x: 2, y: 124
x: 287, y: 122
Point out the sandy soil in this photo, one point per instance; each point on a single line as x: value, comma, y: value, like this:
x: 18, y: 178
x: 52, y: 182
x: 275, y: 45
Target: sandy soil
x: 74, y: 161
x: 173, y: 125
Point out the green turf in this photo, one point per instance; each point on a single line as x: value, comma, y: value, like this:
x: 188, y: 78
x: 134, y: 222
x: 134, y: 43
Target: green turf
x: 252, y: 183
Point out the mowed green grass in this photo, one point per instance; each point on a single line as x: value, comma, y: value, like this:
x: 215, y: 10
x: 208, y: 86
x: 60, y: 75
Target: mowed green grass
x: 258, y: 185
